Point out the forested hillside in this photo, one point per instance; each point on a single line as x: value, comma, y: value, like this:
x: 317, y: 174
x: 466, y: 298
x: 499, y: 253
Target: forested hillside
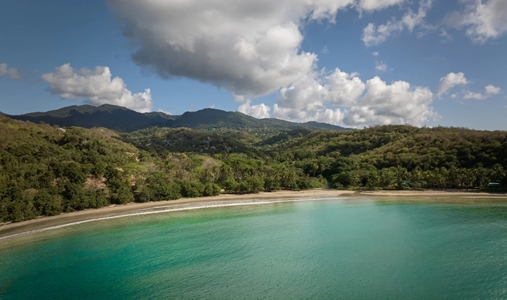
x: 47, y: 170
x: 122, y: 119
x: 397, y: 157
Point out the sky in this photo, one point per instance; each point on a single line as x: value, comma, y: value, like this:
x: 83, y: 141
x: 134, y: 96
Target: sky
x: 353, y: 63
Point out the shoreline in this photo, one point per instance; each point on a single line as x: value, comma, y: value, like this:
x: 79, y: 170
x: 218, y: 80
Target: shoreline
x: 116, y: 211
x: 430, y: 193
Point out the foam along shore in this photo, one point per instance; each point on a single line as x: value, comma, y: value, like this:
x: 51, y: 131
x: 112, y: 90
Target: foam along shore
x: 117, y: 211
x: 114, y: 211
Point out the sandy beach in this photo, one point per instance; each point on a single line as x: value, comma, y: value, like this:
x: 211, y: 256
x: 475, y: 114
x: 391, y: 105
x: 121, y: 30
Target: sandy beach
x: 79, y: 216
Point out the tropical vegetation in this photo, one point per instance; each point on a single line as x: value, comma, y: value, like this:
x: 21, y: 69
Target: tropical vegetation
x: 49, y: 169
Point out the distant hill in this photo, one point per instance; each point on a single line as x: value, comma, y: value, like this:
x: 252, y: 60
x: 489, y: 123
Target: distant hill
x: 126, y: 120
x: 87, y: 116
x: 214, y: 118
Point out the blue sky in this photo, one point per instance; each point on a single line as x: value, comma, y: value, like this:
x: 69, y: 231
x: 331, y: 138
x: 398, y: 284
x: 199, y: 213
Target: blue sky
x: 349, y: 62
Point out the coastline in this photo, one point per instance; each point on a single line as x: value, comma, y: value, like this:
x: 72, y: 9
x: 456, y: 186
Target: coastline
x: 430, y: 193
x: 114, y: 211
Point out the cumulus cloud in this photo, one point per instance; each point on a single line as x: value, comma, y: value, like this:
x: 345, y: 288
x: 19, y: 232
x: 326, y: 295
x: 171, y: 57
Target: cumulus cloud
x: 324, y: 115
x: 395, y: 103
x: 96, y: 86
x: 483, y: 19
x: 9, y: 72
x: 375, y: 54
x: 259, y: 111
x: 249, y: 47
x: 451, y: 80
x: 253, y: 48
x: 375, y: 35
x: 304, y: 96
x: 308, y: 95
x: 490, y: 90
x: 373, y: 102
x: 329, y: 116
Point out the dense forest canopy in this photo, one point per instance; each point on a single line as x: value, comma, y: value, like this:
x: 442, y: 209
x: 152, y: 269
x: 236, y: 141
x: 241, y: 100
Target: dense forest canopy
x: 47, y: 170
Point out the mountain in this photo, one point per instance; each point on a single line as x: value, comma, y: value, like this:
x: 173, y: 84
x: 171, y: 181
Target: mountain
x: 126, y: 120
x: 109, y: 116
x: 214, y: 118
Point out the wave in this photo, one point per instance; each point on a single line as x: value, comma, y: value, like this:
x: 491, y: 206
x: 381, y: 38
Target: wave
x: 173, y: 208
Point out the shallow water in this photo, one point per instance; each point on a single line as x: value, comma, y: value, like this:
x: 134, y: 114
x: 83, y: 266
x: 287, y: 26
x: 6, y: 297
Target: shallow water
x: 296, y: 250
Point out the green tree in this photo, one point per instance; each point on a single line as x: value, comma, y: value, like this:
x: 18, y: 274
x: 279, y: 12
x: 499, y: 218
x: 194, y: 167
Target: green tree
x: 47, y: 204
x: 74, y: 173
x: 211, y: 189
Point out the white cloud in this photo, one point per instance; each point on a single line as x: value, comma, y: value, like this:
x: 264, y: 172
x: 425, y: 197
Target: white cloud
x: 307, y: 95
x: 451, y: 80
x: 380, y: 66
x: 96, y: 87
x: 476, y: 96
x: 259, y: 111
x: 251, y: 48
x: 396, y: 103
x: 483, y: 19
x: 374, y: 35
x: 329, y: 116
x: 411, y: 19
x: 378, y: 4
x: 323, y: 115
x: 9, y: 72
x: 375, y: 53
x: 342, y: 88
x: 490, y: 90
x: 292, y: 114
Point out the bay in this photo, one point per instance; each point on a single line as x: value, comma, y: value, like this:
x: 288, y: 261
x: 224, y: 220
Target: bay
x: 333, y: 249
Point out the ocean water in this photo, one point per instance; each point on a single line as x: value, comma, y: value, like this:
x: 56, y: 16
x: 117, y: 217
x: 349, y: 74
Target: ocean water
x: 334, y: 249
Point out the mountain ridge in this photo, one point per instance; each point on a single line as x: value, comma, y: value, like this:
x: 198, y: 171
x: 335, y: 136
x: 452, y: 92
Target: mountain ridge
x: 125, y: 120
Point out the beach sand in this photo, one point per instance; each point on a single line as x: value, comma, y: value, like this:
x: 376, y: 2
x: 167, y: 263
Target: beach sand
x: 79, y: 216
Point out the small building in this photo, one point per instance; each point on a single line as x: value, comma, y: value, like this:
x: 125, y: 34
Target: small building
x: 494, y: 184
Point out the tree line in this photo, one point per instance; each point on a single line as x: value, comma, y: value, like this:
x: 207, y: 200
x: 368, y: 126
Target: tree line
x: 47, y: 170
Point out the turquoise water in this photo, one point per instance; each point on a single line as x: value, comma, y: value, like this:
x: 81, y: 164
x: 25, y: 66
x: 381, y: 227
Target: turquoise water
x: 297, y: 250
